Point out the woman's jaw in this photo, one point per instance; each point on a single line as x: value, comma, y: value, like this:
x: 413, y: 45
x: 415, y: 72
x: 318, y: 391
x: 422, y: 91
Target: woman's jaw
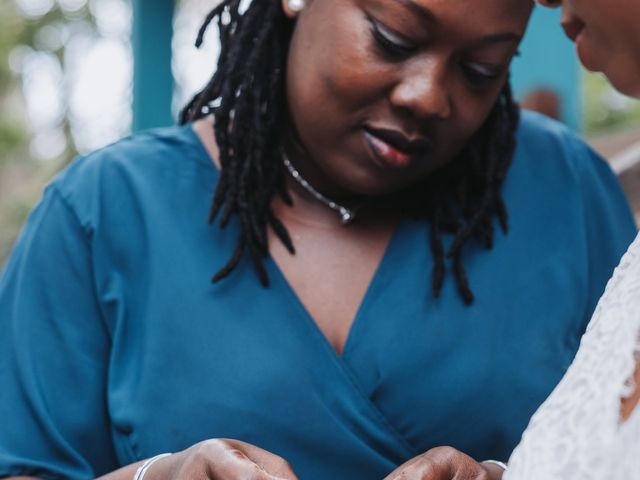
x: 615, y: 60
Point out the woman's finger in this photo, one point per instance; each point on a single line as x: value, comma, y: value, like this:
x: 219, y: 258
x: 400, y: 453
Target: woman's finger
x: 443, y: 463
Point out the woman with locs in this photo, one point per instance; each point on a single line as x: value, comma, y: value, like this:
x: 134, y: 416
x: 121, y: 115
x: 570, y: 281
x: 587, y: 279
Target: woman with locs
x: 406, y: 265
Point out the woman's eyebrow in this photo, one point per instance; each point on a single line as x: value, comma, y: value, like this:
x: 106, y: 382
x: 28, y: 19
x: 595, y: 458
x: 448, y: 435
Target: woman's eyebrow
x: 423, y: 12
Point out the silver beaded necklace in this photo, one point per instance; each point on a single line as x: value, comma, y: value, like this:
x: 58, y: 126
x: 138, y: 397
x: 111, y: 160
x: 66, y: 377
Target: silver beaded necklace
x: 347, y: 215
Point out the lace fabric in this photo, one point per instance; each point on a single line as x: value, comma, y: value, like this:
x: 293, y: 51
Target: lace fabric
x: 577, y: 433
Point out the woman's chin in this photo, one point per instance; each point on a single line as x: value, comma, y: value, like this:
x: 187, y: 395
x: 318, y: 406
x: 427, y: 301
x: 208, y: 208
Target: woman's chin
x: 588, y: 56
x: 626, y: 83
x: 623, y: 75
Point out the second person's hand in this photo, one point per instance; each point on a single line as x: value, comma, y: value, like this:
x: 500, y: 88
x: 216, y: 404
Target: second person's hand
x: 445, y: 463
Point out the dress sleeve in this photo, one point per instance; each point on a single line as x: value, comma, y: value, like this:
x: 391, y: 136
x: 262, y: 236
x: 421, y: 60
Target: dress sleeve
x: 609, y: 224
x: 54, y: 349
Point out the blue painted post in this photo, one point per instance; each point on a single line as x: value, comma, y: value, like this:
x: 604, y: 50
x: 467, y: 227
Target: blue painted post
x: 549, y: 61
x: 152, y: 76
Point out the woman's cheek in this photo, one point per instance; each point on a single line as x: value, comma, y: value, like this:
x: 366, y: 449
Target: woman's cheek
x: 358, y: 77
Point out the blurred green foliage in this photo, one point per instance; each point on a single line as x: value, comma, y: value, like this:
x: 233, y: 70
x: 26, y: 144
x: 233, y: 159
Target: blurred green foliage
x: 605, y: 110
x: 21, y: 176
x: 13, y: 134
x: 13, y: 137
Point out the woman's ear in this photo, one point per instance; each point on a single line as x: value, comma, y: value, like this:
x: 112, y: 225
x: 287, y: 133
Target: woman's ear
x: 293, y: 7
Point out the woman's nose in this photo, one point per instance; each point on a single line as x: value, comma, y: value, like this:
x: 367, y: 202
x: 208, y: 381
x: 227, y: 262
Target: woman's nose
x: 424, y: 94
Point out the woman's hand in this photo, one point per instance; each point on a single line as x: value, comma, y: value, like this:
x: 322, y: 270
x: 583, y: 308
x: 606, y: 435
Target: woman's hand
x: 221, y: 460
x: 445, y: 463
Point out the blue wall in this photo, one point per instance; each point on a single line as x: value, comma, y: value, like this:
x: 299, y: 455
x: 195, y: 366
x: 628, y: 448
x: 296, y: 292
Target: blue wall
x: 548, y: 60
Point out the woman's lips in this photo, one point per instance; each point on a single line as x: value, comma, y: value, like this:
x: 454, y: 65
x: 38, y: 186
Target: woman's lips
x: 385, y: 147
x: 388, y: 154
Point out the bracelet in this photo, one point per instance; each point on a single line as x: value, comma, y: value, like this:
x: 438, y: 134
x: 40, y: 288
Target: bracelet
x: 502, y: 465
x: 142, y: 471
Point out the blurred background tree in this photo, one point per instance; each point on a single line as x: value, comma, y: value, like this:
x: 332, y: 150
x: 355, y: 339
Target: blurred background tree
x: 605, y: 109
x: 21, y: 36
x: 45, y: 49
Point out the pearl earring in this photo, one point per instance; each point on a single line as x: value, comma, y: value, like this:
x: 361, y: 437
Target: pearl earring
x: 297, y: 5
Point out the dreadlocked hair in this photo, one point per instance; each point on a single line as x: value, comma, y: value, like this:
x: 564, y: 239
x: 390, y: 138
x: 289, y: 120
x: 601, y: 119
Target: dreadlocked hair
x: 247, y: 98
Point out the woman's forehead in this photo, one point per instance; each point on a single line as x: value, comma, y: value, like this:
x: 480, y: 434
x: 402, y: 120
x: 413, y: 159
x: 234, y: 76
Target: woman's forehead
x: 433, y: 8
x: 490, y: 12
x: 469, y: 18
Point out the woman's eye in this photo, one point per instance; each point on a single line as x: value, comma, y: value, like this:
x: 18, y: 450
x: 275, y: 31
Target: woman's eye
x: 391, y: 43
x: 478, y: 75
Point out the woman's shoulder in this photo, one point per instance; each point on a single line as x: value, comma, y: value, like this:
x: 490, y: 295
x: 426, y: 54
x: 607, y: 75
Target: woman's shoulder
x: 548, y: 146
x: 152, y: 161
x: 173, y: 148
x: 538, y: 132
x: 563, y: 178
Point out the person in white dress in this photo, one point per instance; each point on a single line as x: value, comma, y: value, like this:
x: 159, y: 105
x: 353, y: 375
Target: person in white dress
x: 589, y: 428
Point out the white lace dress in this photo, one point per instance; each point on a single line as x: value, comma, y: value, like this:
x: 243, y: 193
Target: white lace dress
x: 577, y: 434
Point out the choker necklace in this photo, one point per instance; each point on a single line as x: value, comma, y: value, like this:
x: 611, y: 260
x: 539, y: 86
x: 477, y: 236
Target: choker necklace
x: 347, y: 215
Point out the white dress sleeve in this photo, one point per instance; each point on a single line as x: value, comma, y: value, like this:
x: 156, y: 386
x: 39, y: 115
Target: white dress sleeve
x: 577, y: 433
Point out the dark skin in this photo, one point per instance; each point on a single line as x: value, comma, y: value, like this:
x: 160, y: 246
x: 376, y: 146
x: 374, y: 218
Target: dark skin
x: 430, y: 71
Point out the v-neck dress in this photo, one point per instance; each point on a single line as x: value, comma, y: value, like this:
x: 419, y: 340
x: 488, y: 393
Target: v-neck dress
x: 115, y: 346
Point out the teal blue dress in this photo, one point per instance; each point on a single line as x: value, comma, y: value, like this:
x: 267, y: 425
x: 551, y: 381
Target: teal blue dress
x: 115, y: 346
